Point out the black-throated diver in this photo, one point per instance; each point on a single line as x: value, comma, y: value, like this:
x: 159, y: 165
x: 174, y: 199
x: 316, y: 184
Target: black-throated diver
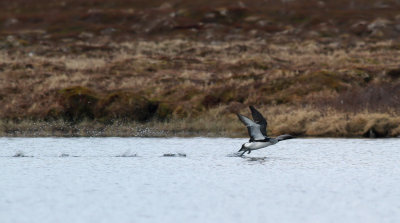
x: 258, y: 132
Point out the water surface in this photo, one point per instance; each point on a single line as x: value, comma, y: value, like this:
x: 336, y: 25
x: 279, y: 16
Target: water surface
x: 198, y: 180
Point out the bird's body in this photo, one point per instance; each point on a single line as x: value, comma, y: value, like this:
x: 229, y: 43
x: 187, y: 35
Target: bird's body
x: 257, y: 145
x: 257, y: 130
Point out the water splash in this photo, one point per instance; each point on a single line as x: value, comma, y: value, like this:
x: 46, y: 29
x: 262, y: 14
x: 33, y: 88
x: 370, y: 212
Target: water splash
x: 21, y: 154
x: 174, y: 155
x: 127, y: 153
x: 236, y: 154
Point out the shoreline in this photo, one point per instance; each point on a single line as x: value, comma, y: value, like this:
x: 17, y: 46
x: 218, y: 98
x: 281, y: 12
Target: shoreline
x: 301, y: 123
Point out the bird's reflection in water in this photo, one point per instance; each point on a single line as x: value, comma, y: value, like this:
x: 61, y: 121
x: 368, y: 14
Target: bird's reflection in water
x: 254, y: 160
x: 251, y: 159
x: 261, y: 159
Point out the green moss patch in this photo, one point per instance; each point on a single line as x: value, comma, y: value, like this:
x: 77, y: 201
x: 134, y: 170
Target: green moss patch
x: 80, y: 103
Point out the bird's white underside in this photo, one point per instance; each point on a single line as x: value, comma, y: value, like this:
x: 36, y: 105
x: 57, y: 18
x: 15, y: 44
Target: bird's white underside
x: 256, y: 145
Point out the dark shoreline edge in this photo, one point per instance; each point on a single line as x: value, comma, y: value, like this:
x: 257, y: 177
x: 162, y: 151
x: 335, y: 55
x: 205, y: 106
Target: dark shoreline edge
x: 153, y: 130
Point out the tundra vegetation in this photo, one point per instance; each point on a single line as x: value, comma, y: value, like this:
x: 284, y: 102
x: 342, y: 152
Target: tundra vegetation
x: 184, y: 68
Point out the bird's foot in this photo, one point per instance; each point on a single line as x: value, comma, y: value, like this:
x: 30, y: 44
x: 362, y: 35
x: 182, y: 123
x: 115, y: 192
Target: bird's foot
x: 248, y: 152
x: 242, y: 153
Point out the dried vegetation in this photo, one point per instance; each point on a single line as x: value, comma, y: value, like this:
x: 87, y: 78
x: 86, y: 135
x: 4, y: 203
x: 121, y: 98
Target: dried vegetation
x: 183, y: 68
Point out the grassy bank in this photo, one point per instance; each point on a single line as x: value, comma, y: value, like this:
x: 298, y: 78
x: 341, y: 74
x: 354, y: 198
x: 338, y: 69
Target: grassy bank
x: 186, y: 69
x: 219, y: 123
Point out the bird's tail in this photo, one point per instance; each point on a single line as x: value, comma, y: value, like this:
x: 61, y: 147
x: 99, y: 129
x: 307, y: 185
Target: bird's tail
x: 284, y: 137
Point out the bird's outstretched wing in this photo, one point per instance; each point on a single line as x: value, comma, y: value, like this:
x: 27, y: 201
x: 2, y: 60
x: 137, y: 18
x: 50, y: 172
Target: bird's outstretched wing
x: 259, y: 119
x: 252, y: 127
x: 284, y: 137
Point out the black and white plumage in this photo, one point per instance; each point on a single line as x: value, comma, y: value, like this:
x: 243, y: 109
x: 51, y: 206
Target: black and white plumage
x: 257, y: 130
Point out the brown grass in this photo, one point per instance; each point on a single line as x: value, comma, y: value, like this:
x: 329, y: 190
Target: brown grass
x: 217, y: 123
x: 188, y: 67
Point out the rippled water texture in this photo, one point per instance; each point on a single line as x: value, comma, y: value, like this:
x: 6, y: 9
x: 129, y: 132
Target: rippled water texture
x: 47, y: 180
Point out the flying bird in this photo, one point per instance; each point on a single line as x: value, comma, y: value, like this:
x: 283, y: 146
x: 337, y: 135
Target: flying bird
x: 257, y: 130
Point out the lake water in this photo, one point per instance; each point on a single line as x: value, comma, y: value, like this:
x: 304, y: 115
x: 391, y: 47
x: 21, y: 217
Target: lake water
x: 63, y: 180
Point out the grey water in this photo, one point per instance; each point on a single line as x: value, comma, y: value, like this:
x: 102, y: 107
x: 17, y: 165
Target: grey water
x: 125, y: 180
